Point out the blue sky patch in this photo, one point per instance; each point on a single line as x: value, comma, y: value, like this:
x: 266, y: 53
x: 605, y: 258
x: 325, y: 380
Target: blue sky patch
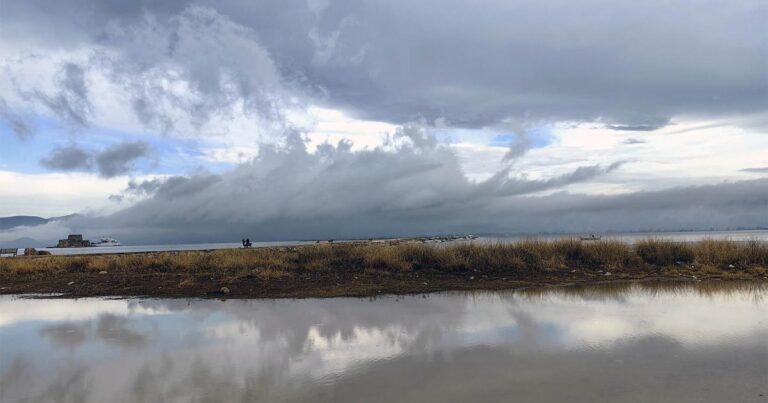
x: 170, y: 156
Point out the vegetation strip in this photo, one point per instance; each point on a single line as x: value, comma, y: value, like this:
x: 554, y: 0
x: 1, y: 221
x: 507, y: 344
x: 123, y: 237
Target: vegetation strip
x: 366, y: 269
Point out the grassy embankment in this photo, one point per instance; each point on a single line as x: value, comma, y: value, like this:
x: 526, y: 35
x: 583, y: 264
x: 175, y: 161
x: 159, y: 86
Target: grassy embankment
x: 361, y: 269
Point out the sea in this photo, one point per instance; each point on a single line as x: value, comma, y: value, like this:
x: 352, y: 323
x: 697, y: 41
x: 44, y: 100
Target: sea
x: 632, y: 237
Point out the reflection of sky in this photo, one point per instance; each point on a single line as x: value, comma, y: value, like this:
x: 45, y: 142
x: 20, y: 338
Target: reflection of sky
x: 284, y: 349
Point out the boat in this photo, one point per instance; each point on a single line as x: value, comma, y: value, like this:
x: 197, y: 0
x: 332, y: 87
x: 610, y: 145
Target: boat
x: 590, y: 237
x: 106, y: 241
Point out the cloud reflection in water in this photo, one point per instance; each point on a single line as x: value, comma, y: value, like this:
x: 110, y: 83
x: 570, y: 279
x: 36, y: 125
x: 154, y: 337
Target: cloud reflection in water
x: 631, y: 343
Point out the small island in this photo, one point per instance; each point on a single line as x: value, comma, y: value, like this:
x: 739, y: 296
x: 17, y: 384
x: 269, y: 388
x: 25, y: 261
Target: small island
x: 74, y: 241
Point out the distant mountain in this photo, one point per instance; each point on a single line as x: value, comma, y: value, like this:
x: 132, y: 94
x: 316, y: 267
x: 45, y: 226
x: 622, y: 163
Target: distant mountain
x: 7, y: 223
x: 21, y: 220
x: 23, y: 243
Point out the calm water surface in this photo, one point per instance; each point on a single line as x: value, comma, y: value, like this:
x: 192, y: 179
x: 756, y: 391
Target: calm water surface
x: 631, y: 343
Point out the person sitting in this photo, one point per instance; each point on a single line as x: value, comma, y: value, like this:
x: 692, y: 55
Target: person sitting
x: 247, y: 242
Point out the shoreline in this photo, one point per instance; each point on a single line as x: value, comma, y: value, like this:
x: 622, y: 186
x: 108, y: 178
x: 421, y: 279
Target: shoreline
x: 366, y: 270
x: 475, y: 287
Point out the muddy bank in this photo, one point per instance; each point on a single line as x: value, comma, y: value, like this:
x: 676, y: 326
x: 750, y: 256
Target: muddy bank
x: 314, y: 286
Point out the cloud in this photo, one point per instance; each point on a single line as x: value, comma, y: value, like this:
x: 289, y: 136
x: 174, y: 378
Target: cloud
x: 633, y: 140
x: 184, y: 69
x: 215, y: 63
x: 174, y: 69
x: 71, y: 101
x: 637, y: 128
x: 405, y: 188
x: 70, y: 158
x: 395, y: 61
x: 519, y: 147
x: 119, y: 159
x: 20, y: 127
x: 246, y: 350
x: 116, y: 160
x: 759, y: 170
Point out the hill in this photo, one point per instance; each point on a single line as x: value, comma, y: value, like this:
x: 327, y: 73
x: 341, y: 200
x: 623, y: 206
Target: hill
x: 21, y: 220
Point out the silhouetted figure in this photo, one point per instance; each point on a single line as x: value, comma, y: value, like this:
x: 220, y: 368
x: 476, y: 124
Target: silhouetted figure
x: 243, y: 242
x: 247, y: 242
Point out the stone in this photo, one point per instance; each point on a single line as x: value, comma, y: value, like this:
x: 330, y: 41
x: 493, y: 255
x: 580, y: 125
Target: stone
x: 70, y: 283
x: 225, y: 290
x: 102, y: 272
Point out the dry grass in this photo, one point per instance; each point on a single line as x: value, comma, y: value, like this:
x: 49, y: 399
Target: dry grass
x: 529, y: 256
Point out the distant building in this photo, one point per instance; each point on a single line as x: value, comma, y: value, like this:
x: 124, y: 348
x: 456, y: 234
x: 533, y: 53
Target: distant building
x: 73, y: 241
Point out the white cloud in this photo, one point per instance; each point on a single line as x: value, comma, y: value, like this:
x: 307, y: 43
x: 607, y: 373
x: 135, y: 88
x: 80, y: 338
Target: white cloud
x: 56, y: 194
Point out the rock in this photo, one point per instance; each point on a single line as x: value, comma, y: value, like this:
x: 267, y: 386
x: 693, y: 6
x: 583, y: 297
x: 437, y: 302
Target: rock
x: 102, y: 272
x: 730, y: 266
x: 70, y: 283
x: 472, y: 278
x: 225, y: 290
x: 607, y: 273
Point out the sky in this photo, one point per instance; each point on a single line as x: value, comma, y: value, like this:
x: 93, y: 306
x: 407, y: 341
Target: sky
x: 181, y: 121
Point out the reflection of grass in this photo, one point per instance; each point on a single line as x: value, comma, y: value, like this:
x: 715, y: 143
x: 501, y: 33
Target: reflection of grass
x: 363, y: 268
x: 618, y: 291
x: 527, y: 256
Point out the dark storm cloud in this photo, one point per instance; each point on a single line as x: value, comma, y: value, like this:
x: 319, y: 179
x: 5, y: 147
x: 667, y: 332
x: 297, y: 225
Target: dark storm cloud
x: 70, y: 158
x: 581, y: 174
x: 637, y: 128
x: 631, y: 64
x: 289, y: 193
x: 115, y: 160
x: 119, y: 159
x: 142, y: 188
x: 628, y: 65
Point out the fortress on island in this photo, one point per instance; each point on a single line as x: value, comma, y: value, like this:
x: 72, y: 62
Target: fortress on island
x: 74, y: 241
